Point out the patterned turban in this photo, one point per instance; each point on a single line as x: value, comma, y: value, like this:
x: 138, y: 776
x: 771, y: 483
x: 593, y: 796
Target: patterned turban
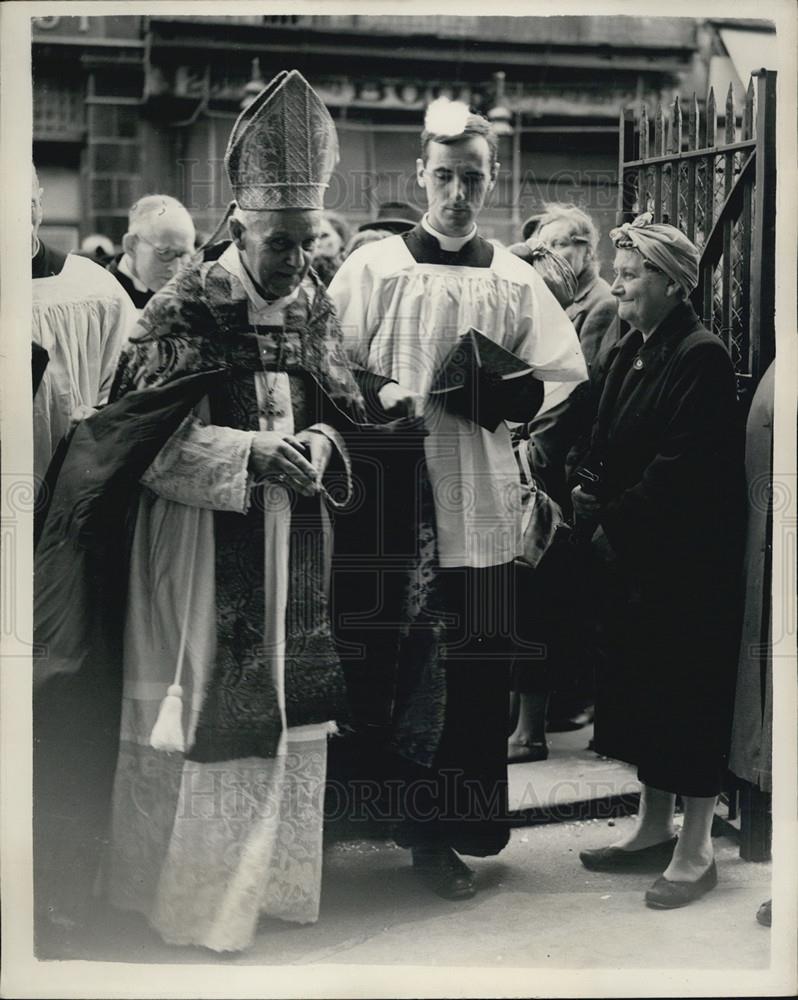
x: 664, y: 246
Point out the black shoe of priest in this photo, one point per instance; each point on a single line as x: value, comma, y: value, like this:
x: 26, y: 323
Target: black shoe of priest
x: 442, y: 871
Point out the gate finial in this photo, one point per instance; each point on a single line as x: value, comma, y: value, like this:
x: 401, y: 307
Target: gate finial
x: 711, y: 120
x: 729, y: 124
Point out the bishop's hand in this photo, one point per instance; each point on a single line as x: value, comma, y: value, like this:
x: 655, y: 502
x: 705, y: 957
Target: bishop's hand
x: 320, y: 451
x: 281, y: 458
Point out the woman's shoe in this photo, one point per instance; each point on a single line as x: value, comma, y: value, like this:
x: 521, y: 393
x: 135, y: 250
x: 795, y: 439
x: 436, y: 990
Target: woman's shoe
x: 764, y: 914
x: 667, y: 895
x: 615, y: 859
x: 524, y: 753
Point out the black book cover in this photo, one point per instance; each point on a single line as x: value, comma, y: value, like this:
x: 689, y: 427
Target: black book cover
x: 483, y: 382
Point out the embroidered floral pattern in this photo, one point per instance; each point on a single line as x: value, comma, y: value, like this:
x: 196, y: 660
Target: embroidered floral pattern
x: 204, y: 850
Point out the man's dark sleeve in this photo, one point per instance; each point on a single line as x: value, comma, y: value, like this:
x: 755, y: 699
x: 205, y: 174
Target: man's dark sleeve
x: 553, y: 434
x: 370, y: 384
x: 39, y: 361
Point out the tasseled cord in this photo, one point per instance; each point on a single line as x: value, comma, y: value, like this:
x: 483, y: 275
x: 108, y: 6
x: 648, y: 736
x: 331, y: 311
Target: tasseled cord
x: 167, y: 733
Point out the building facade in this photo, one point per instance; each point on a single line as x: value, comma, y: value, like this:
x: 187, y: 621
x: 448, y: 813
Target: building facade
x: 125, y: 106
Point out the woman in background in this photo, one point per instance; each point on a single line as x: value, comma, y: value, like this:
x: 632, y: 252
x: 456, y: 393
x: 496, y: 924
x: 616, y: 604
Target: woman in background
x: 571, y: 232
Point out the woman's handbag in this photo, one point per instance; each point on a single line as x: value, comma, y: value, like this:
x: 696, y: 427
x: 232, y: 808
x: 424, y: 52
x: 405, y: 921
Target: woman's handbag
x: 541, y: 518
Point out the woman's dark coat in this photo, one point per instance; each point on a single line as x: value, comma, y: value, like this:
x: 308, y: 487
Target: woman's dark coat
x: 668, y: 447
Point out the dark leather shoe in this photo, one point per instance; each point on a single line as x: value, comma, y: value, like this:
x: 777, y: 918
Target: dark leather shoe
x: 524, y: 753
x: 442, y: 871
x: 764, y: 914
x: 667, y: 895
x: 615, y: 859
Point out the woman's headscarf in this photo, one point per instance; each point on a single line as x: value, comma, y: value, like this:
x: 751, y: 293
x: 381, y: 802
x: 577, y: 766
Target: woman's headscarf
x: 551, y: 266
x: 664, y: 246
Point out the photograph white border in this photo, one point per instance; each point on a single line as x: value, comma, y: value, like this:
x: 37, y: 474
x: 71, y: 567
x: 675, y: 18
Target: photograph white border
x: 22, y: 974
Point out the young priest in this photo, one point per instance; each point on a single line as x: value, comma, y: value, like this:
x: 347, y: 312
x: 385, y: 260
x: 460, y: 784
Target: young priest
x: 403, y: 304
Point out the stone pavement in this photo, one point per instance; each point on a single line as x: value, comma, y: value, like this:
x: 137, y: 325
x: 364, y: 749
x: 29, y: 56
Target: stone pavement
x: 574, y: 783
x: 537, y: 907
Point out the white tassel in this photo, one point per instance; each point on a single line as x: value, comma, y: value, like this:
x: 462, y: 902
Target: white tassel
x: 167, y: 733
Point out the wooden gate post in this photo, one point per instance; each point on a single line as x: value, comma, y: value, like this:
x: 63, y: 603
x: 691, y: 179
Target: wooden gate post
x: 755, y: 823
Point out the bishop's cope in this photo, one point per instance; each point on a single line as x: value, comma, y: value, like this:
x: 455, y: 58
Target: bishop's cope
x: 403, y: 303
x: 183, y: 708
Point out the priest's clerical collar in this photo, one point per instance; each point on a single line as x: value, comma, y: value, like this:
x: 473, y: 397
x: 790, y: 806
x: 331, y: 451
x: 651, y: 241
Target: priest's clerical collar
x: 46, y: 263
x: 451, y: 244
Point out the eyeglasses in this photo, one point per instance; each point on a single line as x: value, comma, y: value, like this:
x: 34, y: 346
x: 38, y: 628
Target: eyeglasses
x: 565, y: 241
x: 167, y: 255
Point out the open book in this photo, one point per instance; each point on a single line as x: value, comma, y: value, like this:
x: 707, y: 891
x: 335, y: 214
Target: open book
x: 483, y: 382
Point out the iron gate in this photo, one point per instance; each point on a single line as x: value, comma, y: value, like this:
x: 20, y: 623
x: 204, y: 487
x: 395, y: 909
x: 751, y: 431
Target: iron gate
x: 723, y: 196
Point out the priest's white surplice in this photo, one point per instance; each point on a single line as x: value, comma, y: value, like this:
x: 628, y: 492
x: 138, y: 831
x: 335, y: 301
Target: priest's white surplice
x: 82, y: 317
x: 400, y: 318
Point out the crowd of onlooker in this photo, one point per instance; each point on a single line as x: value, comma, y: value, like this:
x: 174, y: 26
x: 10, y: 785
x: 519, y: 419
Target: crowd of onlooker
x: 662, y: 543
x: 553, y: 693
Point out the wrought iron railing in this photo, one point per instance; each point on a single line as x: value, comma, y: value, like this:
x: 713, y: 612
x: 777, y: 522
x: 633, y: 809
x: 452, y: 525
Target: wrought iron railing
x: 722, y: 195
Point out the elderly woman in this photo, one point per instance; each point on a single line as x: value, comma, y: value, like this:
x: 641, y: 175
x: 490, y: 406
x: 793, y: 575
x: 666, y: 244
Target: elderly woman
x: 563, y: 423
x: 659, y: 496
x: 571, y: 232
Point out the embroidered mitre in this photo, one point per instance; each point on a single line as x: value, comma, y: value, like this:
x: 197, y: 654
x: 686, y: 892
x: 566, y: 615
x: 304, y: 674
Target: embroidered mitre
x: 283, y: 148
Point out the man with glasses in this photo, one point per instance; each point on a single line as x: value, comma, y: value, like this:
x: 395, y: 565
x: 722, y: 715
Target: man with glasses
x: 159, y: 240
